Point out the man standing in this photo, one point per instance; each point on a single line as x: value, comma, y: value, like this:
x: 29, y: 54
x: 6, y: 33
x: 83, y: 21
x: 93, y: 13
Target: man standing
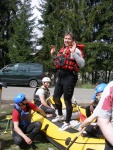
x: 68, y: 61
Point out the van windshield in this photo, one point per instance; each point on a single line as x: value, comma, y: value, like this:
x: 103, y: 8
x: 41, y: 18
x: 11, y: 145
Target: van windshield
x: 8, y: 68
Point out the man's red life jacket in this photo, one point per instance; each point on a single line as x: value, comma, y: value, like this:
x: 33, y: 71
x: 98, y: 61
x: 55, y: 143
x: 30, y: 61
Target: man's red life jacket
x: 64, y: 61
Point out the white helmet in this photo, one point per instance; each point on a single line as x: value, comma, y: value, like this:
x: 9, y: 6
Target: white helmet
x: 46, y: 79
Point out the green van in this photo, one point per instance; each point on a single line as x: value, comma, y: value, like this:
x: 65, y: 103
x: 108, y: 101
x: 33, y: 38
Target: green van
x: 23, y: 73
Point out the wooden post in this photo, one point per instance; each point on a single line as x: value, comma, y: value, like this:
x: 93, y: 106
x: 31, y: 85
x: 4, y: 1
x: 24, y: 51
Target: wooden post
x: 2, y: 85
x: 0, y: 95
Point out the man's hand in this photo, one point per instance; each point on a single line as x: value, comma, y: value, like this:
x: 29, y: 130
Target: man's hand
x: 52, y: 107
x: 80, y: 128
x: 52, y: 50
x: 28, y: 140
x: 49, y: 115
x: 73, y: 47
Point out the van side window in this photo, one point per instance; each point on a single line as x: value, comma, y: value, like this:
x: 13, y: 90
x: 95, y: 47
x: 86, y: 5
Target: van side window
x: 22, y: 69
x: 36, y: 69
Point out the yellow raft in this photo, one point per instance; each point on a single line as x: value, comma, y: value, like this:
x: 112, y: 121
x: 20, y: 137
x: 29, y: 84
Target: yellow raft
x: 63, y: 139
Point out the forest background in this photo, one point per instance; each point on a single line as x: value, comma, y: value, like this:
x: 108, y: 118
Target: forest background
x: 91, y: 21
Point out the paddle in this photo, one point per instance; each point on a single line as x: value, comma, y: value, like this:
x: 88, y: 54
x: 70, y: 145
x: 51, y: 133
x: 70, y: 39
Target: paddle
x: 46, y: 99
x: 81, y: 115
x: 75, y: 139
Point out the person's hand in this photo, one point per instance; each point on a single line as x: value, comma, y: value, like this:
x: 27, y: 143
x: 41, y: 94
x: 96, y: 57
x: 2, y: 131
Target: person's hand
x: 28, y: 140
x: 79, y: 128
x: 52, y: 50
x: 52, y: 107
x: 73, y: 47
x: 49, y: 115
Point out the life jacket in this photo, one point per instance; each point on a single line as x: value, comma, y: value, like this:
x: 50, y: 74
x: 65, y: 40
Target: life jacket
x: 64, y: 61
x: 96, y: 102
x: 94, y: 131
x: 25, y: 117
x: 36, y: 97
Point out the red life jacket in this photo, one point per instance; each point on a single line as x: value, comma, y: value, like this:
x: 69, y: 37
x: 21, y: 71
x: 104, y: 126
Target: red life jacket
x: 64, y: 61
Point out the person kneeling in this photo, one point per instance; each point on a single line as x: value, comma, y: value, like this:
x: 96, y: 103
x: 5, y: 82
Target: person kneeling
x: 21, y: 118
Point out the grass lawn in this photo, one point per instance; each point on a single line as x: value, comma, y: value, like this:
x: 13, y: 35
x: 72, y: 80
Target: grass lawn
x: 6, y: 141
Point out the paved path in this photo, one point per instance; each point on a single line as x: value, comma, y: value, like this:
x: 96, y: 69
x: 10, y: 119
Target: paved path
x: 81, y: 95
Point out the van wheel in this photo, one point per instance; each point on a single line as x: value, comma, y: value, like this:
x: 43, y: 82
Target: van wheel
x: 33, y: 83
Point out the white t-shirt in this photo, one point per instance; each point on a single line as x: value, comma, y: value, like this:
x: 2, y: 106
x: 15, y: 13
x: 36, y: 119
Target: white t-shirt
x: 41, y: 93
x: 104, y: 108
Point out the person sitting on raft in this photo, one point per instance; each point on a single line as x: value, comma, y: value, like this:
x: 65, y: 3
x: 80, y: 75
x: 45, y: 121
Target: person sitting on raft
x: 42, y: 97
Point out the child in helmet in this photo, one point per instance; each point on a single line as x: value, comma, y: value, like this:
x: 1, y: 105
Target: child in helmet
x: 93, y: 103
x: 98, y: 90
x: 21, y: 119
x: 41, y: 97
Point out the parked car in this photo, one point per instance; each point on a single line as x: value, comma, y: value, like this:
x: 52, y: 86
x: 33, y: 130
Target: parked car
x: 22, y: 73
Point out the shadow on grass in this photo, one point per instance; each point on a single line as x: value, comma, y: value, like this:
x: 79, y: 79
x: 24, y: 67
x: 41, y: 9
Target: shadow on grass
x: 8, y: 143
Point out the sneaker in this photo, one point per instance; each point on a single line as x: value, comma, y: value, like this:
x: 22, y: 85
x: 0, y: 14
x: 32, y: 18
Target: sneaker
x: 75, y: 124
x: 64, y: 127
x: 58, y: 118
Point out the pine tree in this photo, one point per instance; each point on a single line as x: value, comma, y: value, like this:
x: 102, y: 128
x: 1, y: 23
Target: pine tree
x: 20, y: 43
x: 7, y: 11
x: 90, y: 21
x: 97, y: 34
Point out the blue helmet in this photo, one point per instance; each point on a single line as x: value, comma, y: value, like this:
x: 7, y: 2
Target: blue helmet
x: 100, y: 88
x: 19, y: 98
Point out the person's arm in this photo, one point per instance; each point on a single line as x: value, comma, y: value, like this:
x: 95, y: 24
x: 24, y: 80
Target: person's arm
x: 50, y: 104
x: 41, y: 111
x: 38, y: 109
x: 19, y: 131
x: 106, y: 128
x: 77, y: 55
x: 43, y: 101
x: 79, y: 59
x: 86, y: 122
x: 105, y: 112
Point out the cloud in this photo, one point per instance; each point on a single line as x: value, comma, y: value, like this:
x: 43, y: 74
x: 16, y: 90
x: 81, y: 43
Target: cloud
x: 38, y: 15
x: 35, y: 11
